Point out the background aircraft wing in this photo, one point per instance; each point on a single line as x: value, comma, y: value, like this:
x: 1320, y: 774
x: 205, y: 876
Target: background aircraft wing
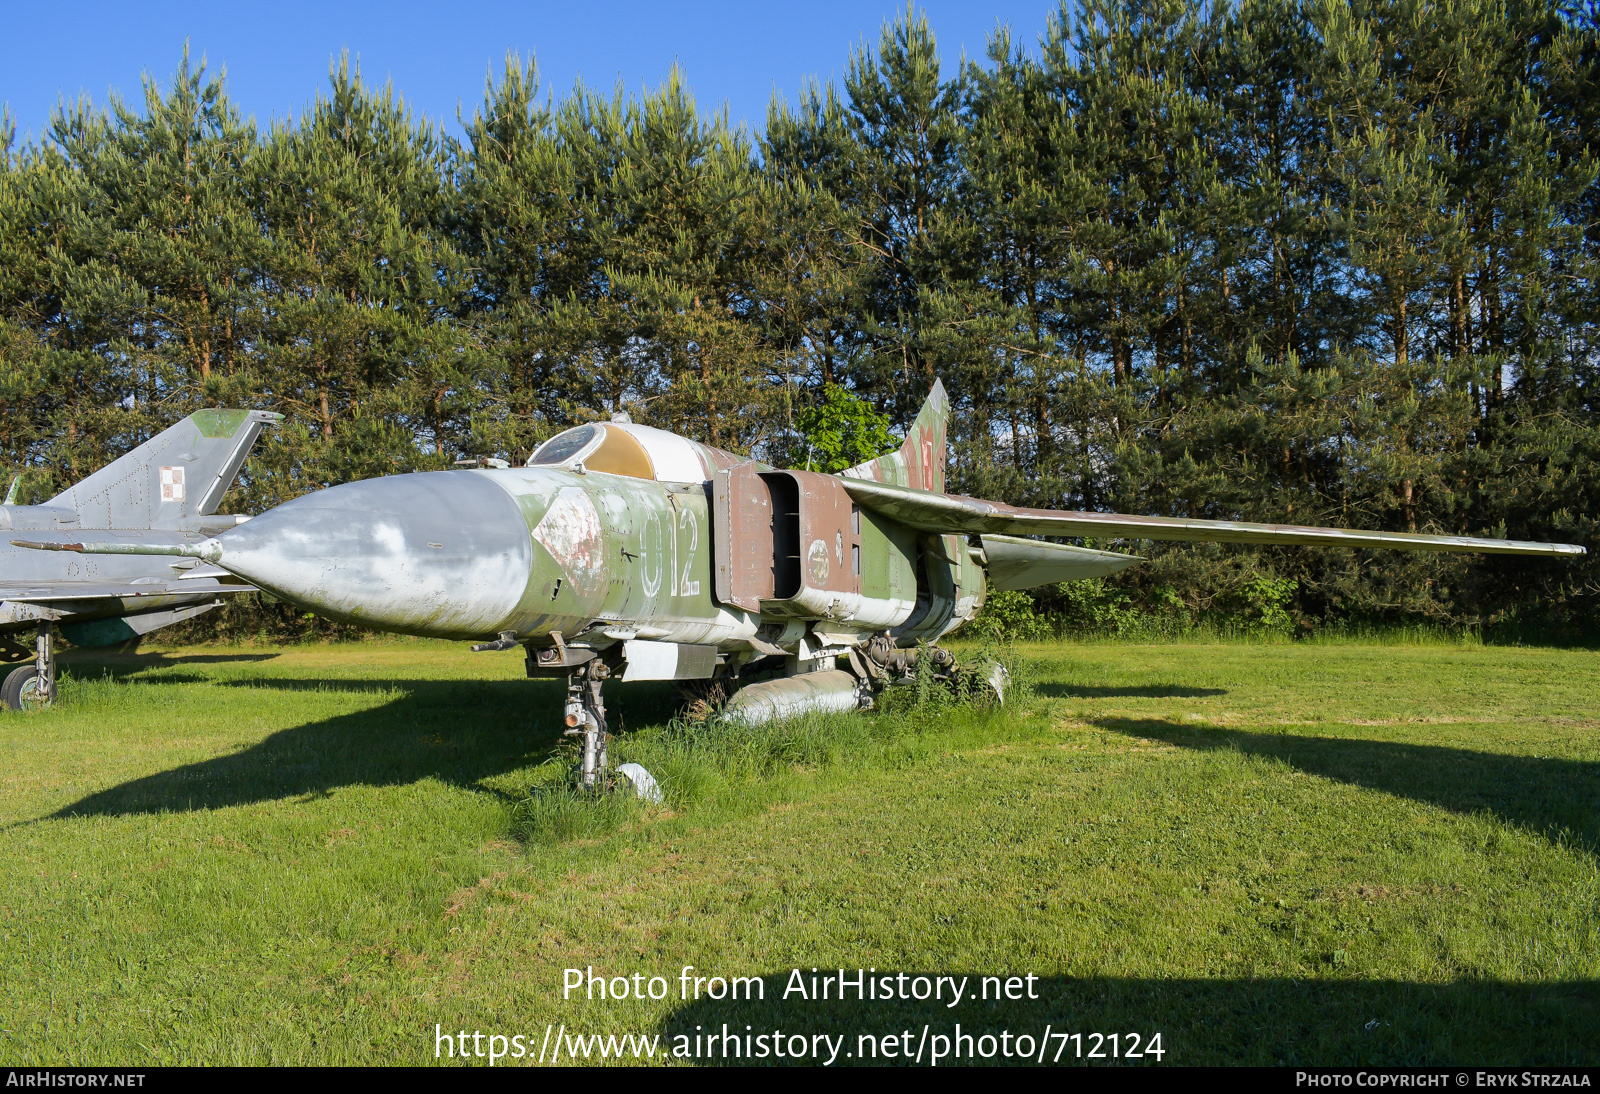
x: 931, y: 512
x: 51, y: 592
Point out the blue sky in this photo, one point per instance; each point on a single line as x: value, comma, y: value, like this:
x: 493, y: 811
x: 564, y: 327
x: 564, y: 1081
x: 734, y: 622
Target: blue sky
x: 277, y: 55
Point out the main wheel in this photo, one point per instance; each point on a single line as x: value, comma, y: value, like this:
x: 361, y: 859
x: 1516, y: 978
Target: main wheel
x: 25, y: 690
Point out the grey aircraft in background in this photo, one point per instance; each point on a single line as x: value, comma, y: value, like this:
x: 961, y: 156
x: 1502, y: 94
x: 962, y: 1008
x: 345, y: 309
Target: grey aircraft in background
x: 163, y: 493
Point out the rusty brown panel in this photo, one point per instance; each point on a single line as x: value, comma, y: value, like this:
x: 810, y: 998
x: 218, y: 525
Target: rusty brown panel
x: 742, y: 537
x: 924, y: 446
x: 828, y: 535
x: 722, y: 538
x: 722, y: 460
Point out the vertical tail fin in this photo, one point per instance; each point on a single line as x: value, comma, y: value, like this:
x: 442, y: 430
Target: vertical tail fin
x: 919, y: 462
x: 177, y: 475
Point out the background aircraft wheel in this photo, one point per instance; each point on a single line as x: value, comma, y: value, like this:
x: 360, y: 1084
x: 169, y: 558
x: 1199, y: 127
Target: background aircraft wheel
x: 25, y: 690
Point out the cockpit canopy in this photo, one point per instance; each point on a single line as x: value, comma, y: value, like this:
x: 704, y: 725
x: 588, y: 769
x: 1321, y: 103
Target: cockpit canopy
x: 598, y: 447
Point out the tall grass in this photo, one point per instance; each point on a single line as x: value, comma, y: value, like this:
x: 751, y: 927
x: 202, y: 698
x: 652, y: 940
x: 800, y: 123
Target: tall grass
x: 718, y: 765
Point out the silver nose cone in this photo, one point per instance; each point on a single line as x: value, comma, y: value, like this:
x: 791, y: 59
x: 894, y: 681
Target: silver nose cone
x: 444, y: 554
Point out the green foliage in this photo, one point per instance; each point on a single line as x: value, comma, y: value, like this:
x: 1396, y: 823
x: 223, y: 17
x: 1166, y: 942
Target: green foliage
x: 1010, y: 616
x: 842, y: 430
x: 1271, y: 260
x: 1267, y: 600
x: 1251, y: 601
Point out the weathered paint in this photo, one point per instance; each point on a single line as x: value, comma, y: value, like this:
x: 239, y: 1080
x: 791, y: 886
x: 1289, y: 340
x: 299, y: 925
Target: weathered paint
x: 742, y: 537
x: 828, y: 690
x: 570, y: 531
x: 442, y: 553
x: 888, y: 562
x: 473, y: 554
x: 920, y: 460
x: 950, y: 512
x: 799, y: 552
x: 950, y: 590
x: 648, y: 660
x: 1028, y: 563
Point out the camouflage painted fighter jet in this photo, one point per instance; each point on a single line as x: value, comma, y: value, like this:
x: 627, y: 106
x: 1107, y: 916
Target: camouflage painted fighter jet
x: 625, y: 552
x: 164, y: 493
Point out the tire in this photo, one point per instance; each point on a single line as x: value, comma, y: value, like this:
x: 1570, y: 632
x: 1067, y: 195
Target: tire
x: 22, y: 690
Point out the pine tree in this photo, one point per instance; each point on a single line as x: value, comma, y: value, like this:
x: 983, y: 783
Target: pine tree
x: 905, y: 125
x: 358, y: 343
x: 151, y: 243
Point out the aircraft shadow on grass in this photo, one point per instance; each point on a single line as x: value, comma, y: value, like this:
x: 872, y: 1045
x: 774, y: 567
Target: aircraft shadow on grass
x: 461, y: 732
x: 1263, y: 1021
x: 1552, y: 797
x: 95, y: 664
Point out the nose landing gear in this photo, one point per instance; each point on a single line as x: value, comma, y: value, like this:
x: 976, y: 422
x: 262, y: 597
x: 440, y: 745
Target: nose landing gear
x: 586, y: 718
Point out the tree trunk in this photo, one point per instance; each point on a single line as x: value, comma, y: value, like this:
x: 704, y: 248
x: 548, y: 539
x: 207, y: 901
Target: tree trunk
x: 1400, y: 333
x: 1459, y: 337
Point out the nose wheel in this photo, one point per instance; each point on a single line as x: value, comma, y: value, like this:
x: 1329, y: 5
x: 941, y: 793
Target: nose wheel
x: 33, y: 687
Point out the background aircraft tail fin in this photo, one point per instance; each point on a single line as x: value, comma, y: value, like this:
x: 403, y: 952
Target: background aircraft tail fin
x: 177, y: 475
x: 919, y: 462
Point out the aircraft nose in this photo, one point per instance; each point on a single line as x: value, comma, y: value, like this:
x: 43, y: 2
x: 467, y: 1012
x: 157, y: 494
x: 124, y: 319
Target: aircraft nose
x: 444, y: 554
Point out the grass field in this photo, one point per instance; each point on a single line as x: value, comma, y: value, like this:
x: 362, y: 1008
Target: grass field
x: 1308, y: 853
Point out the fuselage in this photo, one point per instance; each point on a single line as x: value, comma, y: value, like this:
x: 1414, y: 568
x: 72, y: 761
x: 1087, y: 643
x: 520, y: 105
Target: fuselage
x: 469, y: 554
x: 113, y: 585
x: 603, y: 538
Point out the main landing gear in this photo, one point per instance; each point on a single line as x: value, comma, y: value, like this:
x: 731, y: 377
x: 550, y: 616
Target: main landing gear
x: 33, y: 687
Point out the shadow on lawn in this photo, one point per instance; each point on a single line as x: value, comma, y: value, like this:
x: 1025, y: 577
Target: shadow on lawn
x: 90, y: 664
x: 459, y: 731
x: 1553, y: 797
x: 1254, y: 1021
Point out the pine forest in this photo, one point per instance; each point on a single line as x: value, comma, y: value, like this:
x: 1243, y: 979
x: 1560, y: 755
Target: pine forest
x: 1328, y: 262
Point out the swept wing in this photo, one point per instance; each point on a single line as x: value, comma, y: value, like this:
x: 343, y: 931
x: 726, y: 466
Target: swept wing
x: 931, y: 512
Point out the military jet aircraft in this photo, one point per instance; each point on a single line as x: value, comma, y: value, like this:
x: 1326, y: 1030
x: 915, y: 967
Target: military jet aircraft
x: 165, y: 492
x: 622, y: 551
